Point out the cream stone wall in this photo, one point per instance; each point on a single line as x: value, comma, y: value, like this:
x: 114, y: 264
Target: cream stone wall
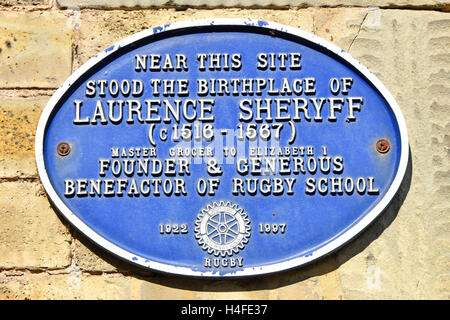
x: 405, y: 254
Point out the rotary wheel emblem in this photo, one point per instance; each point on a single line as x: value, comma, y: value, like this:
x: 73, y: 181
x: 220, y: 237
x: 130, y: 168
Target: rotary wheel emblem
x: 222, y: 228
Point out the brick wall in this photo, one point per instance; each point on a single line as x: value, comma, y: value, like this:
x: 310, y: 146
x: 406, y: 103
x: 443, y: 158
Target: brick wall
x: 405, y: 254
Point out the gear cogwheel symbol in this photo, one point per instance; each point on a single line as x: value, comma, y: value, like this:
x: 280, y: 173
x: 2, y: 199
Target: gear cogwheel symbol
x: 222, y: 228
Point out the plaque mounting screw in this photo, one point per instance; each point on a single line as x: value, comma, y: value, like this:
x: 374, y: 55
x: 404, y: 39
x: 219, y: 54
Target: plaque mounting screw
x: 63, y: 149
x: 383, y: 146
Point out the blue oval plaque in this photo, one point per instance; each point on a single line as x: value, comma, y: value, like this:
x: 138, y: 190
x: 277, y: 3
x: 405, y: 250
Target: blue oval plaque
x: 221, y: 148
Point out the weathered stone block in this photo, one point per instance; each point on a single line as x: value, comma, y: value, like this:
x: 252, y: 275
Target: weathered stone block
x: 302, y: 283
x: 100, y: 29
x: 105, y: 4
x: 87, y: 259
x: 438, y: 4
x: 23, y: 2
x: 407, y: 51
x: 65, y: 286
x: 18, y: 122
x: 339, y: 26
x: 31, y: 234
x: 91, y: 258
x: 35, y: 49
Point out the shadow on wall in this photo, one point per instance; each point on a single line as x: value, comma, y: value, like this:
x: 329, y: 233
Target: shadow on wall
x: 273, y: 281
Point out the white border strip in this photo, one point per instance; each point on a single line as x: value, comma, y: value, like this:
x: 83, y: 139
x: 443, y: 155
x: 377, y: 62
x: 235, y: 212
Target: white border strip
x: 167, y: 268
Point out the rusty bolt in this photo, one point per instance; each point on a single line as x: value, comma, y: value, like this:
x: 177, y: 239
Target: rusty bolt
x: 383, y: 146
x: 63, y: 149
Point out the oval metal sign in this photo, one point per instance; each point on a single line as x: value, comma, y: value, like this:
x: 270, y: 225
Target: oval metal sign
x: 221, y: 148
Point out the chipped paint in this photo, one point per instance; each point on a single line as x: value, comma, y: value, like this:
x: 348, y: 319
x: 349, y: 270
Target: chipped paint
x: 109, y: 49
